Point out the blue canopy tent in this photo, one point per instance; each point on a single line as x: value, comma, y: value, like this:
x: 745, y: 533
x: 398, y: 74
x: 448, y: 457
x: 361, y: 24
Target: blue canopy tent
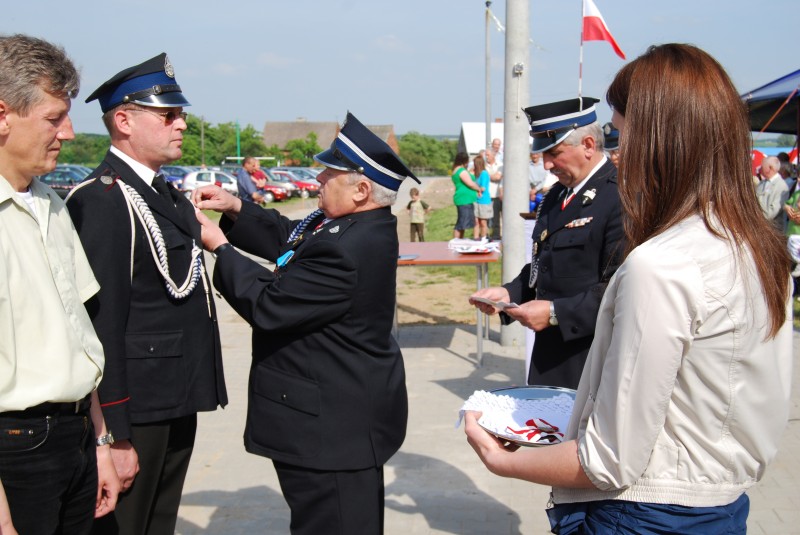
x: 775, y: 107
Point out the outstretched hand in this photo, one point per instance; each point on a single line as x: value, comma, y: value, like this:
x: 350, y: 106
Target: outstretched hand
x: 217, y: 199
x: 210, y: 233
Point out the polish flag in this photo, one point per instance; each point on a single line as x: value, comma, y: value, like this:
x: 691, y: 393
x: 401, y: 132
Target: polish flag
x: 595, y: 28
x: 793, y: 156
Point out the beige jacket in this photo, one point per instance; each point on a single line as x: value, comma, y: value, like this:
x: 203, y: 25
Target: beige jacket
x: 682, y: 399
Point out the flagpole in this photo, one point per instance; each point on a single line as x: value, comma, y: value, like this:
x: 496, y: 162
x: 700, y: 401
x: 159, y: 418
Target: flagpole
x: 488, y: 125
x: 580, y: 60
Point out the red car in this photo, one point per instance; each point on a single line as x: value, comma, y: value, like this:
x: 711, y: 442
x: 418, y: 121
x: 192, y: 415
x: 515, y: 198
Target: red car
x: 307, y: 188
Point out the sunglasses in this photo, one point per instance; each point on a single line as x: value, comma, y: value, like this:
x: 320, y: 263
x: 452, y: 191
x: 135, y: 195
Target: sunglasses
x: 168, y: 116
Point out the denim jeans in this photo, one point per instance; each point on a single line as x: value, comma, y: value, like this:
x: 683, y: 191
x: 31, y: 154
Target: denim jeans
x: 48, y: 468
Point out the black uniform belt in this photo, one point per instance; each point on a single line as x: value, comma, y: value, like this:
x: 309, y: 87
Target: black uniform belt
x: 54, y: 409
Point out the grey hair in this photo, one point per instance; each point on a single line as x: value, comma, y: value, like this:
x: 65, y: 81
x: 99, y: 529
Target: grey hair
x: 381, y: 195
x: 29, y: 65
x: 593, y: 130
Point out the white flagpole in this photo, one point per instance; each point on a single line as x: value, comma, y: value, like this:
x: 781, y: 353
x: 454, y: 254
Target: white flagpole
x: 580, y: 60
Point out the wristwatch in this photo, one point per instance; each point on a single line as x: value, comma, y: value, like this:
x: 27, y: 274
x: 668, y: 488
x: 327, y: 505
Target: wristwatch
x: 553, y: 318
x: 108, y: 438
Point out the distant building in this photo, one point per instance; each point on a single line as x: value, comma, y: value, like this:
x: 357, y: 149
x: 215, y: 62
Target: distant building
x: 473, y: 137
x: 280, y: 133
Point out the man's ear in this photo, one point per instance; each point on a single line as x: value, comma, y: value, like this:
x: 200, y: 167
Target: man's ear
x: 363, y: 191
x: 121, y: 122
x: 589, y: 145
x: 4, y: 111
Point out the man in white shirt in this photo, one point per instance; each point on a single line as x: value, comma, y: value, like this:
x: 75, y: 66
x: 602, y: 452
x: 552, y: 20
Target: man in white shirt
x: 54, y: 478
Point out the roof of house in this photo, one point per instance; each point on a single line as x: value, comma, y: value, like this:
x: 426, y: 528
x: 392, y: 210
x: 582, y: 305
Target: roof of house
x: 280, y: 133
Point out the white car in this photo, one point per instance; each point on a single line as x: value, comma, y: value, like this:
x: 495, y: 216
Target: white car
x: 198, y: 179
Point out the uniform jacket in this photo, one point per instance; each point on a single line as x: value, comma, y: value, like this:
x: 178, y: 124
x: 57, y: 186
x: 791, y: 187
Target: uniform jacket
x: 163, y: 356
x: 327, y: 384
x: 579, y: 252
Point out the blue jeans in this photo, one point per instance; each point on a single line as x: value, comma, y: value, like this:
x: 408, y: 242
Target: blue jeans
x: 48, y: 469
x: 618, y: 517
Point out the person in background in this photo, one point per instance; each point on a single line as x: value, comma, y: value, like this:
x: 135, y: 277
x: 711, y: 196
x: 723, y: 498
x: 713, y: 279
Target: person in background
x: 541, y: 180
x: 495, y: 169
x: 417, y: 209
x: 56, y: 471
x: 611, y: 142
x: 577, y: 244
x: 772, y: 192
x: 154, y: 313
x: 247, y: 182
x: 483, y: 206
x: 325, y: 364
x: 694, y: 336
x: 465, y: 195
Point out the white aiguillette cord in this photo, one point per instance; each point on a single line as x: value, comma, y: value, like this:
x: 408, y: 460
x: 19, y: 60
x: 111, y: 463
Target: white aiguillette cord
x: 158, y: 249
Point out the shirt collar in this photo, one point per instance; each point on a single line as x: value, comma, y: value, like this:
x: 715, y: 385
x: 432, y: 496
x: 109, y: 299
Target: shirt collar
x: 141, y: 170
x: 596, y: 168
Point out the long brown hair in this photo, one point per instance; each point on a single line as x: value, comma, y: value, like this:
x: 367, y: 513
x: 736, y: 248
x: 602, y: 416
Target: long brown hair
x: 480, y: 165
x: 685, y: 150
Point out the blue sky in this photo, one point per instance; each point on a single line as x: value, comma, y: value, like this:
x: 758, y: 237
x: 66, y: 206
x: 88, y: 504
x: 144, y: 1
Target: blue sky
x: 416, y: 64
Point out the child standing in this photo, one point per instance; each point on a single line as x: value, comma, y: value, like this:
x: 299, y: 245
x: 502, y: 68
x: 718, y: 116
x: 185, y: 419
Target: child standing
x: 417, y: 209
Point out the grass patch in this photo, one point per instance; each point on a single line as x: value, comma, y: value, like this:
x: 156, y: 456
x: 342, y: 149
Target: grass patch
x: 796, y: 316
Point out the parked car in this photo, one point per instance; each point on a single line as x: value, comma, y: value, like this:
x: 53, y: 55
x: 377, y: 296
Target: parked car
x: 274, y: 192
x: 307, y: 174
x: 174, y: 174
x: 198, y: 179
x: 307, y: 188
x: 82, y: 170
x: 62, y: 180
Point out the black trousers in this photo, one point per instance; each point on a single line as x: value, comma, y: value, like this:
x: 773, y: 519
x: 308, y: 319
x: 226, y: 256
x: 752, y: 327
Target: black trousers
x: 334, y: 503
x: 48, y: 467
x: 150, y: 506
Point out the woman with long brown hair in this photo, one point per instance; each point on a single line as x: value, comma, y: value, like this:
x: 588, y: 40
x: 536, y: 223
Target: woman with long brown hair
x: 685, y: 392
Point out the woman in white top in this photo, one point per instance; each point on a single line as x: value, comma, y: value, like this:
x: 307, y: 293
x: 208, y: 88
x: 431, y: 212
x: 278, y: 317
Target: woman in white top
x: 685, y: 392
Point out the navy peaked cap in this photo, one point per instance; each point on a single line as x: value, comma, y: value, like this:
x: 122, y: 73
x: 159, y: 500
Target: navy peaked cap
x: 356, y: 148
x: 151, y: 83
x: 610, y: 137
x: 552, y: 123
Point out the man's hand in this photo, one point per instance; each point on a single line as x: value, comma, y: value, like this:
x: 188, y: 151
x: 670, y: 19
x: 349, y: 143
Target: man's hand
x: 533, y: 314
x: 6, y: 526
x: 126, y: 462
x: 211, y: 235
x: 495, y: 293
x: 217, y: 199
x: 108, y: 484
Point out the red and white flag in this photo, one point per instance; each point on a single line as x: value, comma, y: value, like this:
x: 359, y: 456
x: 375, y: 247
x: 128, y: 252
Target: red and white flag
x: 595, y: 28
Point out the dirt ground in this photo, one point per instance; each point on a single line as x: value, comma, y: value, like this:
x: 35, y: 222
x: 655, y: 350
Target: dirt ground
x: 424, y: 297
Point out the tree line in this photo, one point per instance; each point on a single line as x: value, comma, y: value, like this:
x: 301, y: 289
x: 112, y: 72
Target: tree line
x: 204, y: 143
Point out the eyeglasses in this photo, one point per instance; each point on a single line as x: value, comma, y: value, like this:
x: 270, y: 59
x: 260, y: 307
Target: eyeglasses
x: 168, y: 116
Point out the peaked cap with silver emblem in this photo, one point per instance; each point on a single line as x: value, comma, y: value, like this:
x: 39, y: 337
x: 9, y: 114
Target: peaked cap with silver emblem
x: 356, y: 148
x: 151, y: 83
x: 552, y: 123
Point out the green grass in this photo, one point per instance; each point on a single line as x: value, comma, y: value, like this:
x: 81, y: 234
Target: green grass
x: 796, y: 316
x: 439, y: 227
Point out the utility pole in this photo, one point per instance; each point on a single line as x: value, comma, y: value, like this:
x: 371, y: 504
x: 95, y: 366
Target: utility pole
x: 516, y: 154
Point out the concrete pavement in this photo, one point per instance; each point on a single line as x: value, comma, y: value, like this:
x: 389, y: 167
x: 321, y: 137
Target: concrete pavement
x: 435, y: 484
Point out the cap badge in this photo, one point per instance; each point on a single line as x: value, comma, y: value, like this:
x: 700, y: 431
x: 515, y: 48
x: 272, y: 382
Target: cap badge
x: 168, y: 70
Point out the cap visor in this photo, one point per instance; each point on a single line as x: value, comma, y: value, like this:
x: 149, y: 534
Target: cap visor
x: 173, y: 99
x: 327, y: 159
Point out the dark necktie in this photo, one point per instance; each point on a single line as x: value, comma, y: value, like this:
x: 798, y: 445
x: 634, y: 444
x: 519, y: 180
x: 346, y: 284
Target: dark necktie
x: 161, y: 187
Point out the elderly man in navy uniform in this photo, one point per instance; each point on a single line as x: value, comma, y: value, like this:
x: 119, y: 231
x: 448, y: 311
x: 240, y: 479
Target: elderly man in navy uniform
x: 577, y: 243
x: 327, y: 394
x: 154, y: 313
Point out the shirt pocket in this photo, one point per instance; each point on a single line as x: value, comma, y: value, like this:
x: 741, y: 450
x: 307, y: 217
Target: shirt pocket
x: 156, y: 375
x: 570, y: 247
